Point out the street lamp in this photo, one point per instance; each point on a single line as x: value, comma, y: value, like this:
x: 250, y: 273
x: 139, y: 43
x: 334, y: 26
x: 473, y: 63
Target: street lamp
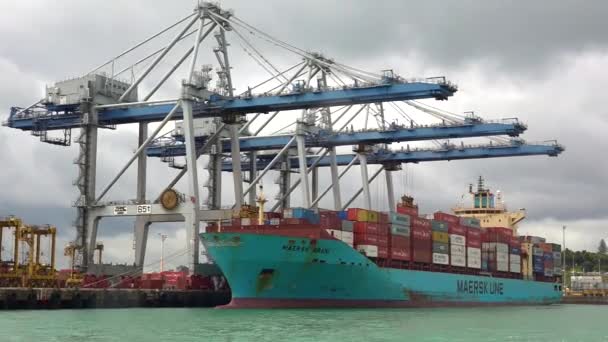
x: 564, y: 259
x: 163, y: 237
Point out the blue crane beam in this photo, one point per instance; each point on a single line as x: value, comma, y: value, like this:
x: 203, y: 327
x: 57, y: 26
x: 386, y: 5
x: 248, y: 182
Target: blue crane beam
x: 63, y: 117
x: 328, y: 139
x: 417, y: 156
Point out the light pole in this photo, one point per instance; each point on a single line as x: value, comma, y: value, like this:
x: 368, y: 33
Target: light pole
x: 163, y: 237
x: 564, y: 259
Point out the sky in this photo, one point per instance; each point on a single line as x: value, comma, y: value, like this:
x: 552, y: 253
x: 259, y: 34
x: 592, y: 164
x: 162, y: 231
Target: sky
x: 544, y: 62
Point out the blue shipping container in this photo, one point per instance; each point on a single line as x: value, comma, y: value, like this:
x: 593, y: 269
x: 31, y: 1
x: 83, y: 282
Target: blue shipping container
x: 343, y: 215
x: 538, y: 264
x: 515, y: 251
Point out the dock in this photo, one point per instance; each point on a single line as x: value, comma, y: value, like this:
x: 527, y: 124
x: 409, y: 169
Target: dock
x: 47, y: 298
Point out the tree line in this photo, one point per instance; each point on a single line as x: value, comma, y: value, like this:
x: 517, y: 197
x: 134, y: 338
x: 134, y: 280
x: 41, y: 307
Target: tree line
x: 585, y: 261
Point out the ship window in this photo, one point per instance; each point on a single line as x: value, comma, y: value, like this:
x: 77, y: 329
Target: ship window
x: 267, y: 271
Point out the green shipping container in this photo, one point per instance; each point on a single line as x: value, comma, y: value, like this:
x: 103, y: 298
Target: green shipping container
x: 470, y: 222
x: 400, y: 230
x: 401, y: 219
x: 556, y: 248
x: 439, y: 226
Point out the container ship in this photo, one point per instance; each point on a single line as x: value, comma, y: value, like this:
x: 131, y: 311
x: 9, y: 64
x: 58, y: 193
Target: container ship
x: 362, y: 258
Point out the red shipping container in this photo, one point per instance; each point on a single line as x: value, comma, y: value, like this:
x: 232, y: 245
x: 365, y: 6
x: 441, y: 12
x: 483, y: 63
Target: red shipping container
x: 400, y: 242
x: 400, y: 254
x: 382, y: 252
x: 366, y: 239
x: 455, y: 220
x: 383, y: 229
x: 382, y: 218
x: 455, y: 228
x: 420, y: 222
x: 293, y: 221
x: 422, y: 252
x: 330, y: 222
x: 546, y: 247
x: 366, y: 227
x: 382, y: 240
x: 474, y: 242
x: 515, y: 242
x: 352, y: 214
x: 420, y: 233
x: 473, y: 233
x: 412, y: 211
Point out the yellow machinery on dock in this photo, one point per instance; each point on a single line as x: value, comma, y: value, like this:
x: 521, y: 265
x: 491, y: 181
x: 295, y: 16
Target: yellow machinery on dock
x: 27, y: 243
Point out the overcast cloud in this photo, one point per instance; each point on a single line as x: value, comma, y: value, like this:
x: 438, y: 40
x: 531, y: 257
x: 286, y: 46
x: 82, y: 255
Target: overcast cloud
x: 545, y: 62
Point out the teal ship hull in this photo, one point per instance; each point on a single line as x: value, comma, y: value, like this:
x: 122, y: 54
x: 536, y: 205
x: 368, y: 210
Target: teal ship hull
x: 268, y: 271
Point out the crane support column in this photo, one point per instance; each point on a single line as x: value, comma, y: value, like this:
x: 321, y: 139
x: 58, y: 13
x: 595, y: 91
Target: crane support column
x: 284, y: 184
x: 253, y: 171
x: 367, y: 198
x: 335, y: 179
x: 390, y: 191
x: 141, y: 226
x: 236, y: 162
x: 314, y: 185
x: 301, y: 142
x: 192, y: 198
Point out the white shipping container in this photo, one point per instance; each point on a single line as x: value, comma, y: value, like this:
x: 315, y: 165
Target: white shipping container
x: 502, y: 257
x: 502, y: 266
x: 347, y: 240
x: 335, y: 233
x: 369, y: 250
x: 246, y: 221
x: 457, y: 250
x: 275, y: 221
x: 473, y: 257
x: 288, y: 213
x: 441, y: 259
x: 557, y: 270
x: 457, y: 240
x: 350, y: 236
x: 458, y: 260
x: 502, y: 248
x: 514, y: 259
x: 515, y: 268
x: 548, y: 272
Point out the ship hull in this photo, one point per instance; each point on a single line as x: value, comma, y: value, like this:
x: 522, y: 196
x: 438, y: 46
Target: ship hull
x: 272, y: 271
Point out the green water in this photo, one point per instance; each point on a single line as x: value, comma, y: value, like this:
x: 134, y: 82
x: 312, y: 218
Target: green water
x: 546, y: 323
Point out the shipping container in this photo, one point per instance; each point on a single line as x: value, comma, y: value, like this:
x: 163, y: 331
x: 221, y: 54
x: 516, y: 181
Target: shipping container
x: 496, y: 247
x: 421, y: 244
x: 400, y: 242
x: 441, y: 248
x: 515, y: 267
x: 383, y: 218
x: 514, y: 259
x: 457, y: 240
x: 458, y: 260
x: 400, y: 254
x: 366, y: 227
x: 348, y: 237
x: 368, y: 250
x: 401, y: 219
x: 446, y: 217
x: 556, y: 247
x: 366, y: 239
x: 335, y: 233
x: 347, y: 226
x: 400, y: 230
x: 502, y: 266
x: 420, y: 222
x: 441, y: 237
x: 411, y: 211
x: 546, y: 247
x: 383, y: 252
x: 536, y: 251
x: 457, y: 229
x: 372, y: 216
x: 343, y: 215
x: 439, y: 226
x: 441, y: 259
x: 457, y: 250
x: 557, y: 257
x: 420, y: 233
x: 357, y: 214
x: 470, y: 222
x: 382, y: 241
x: 473, y: 257
x: 532, y: 239
x: 383, y: 229
x: 538, y: 264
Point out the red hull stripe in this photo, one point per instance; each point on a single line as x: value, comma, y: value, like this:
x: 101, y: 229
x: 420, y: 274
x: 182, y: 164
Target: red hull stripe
x: 256, y: 303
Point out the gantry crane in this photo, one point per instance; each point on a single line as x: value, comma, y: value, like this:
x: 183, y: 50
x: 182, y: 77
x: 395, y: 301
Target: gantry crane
x: 308, y: 90
x: 38, y: 274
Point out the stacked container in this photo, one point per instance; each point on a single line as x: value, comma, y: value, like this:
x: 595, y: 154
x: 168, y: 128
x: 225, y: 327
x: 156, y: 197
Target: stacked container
x: 458, y: 239
x: 422, y: 243
x: 383, y: 233
x: 538, y: 262
x: 365, y: 236
x: 441, y: 242
x: 527, y: 255
x: 399, y: 229
x: 514, y: 256
x: 557, y: 259
x: 309, y: 215
x: 470, y: 222
x: 547, y: 249
x: 473, y: 247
